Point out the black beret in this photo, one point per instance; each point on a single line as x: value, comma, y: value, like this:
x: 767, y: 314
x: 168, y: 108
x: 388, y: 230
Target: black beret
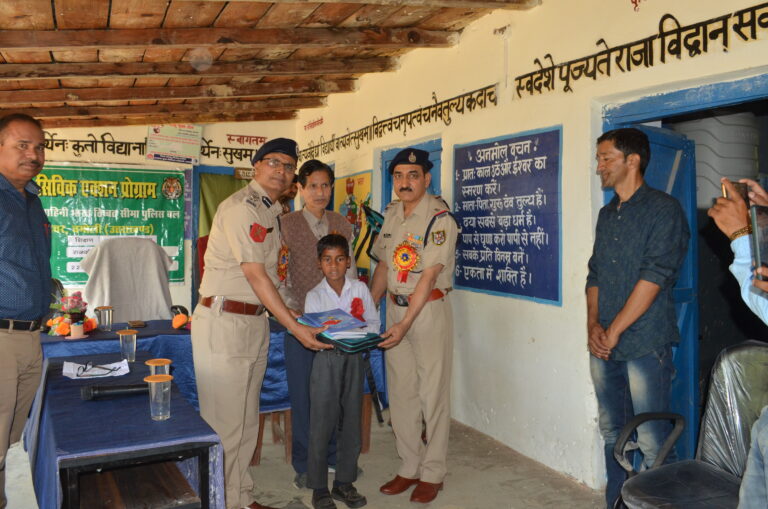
x: 280, y: 145
x: 411, y: 156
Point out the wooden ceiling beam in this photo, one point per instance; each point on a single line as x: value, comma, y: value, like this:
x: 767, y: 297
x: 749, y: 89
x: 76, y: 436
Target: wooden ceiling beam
x: 185, y: 69
x: 214, y: 108
x: 305, y: 88
x: 463, y: 4
x: 52, y: 123
x: 223, y: 38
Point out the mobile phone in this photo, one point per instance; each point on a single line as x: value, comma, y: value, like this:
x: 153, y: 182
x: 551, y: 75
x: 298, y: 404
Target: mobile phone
x: 741, y: 188
x: 136, y: 324
x: 758, y: 216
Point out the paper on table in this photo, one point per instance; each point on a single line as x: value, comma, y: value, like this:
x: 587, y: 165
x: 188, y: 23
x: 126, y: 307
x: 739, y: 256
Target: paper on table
x: 90, y: 370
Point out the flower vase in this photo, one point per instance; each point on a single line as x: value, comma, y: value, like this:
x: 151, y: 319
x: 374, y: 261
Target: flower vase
x: 76, y: 331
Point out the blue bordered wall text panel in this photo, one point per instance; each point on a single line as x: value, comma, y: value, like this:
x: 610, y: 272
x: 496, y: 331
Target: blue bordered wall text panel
x: 507, y: 202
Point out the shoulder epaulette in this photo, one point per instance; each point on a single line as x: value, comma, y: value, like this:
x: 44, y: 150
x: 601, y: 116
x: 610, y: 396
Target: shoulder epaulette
x: 254, y: 199
x: 391, y: 204
x: 441, y: 200
x: 438, y: 213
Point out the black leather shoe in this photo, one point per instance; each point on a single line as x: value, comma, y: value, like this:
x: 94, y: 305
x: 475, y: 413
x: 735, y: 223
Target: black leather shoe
x: 322, y: 500
x: 348, y: 494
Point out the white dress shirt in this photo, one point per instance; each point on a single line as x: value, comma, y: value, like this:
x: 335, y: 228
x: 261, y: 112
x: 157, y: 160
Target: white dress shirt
x: 324, y: 298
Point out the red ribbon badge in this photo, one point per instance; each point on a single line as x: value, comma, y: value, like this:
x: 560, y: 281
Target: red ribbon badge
x: 357, y: 308
x: 282, y: 262
x: 405, y: 259
x: 258, y: 232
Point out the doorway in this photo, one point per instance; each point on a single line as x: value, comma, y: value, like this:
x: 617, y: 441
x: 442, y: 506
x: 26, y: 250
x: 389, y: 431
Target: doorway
x: 716, y: 326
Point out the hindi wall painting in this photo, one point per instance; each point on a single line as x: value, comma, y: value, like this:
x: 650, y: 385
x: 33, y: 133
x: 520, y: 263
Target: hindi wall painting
x: 89, y: 203
x: 350, y: 193
x: 507, y: 203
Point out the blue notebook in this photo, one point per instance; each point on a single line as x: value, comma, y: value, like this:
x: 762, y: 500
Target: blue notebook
x: 336, y: 320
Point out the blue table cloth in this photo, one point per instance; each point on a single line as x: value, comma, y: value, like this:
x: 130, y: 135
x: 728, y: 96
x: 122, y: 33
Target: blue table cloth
x: 64, y: 427
x: 161, y: 340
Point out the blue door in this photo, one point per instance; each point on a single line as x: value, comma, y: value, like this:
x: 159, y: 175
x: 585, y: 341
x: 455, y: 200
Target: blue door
x: 672, y: 169
x: 434, y: 147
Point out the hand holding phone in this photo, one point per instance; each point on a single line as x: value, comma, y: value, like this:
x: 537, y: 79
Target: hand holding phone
x: 741, y: 188
x: 759, y: 221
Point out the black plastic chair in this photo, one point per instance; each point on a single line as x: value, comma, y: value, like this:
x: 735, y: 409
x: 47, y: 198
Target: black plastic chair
x: 738, y: 391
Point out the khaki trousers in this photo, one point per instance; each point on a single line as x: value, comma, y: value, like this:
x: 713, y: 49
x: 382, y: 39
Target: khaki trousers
x: 20, y: 368
x: 419, y: 385
x: 230, y: 356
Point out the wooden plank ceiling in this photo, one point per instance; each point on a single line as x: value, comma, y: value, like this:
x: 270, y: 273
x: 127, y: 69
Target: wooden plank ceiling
x: 80, y: 63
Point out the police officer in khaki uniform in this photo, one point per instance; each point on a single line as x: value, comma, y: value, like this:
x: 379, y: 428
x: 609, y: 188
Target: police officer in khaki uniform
x: 415, y: 252
x: 230, y: 336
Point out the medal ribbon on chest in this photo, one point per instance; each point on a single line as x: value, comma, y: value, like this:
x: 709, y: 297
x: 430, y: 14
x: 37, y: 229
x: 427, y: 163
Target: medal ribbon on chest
x: 282, y: 262
x: 405, y: 259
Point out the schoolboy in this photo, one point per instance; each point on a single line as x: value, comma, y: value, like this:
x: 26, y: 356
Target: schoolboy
x: 336, y: 382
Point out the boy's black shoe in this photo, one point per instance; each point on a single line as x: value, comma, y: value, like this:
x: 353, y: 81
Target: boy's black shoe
x: 348, y: 494
x: 321, y: 499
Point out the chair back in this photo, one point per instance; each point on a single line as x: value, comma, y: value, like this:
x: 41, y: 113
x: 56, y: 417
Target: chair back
x: 738, y: 390
x: 131, y: 275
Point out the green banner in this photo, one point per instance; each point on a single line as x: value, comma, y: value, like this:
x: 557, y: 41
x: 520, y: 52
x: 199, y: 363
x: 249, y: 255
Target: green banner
x: 89, y: 203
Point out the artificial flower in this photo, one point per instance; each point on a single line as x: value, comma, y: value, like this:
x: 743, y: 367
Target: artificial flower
x: 62, y: 329
x: 357, y: 310
x: 89, y: 325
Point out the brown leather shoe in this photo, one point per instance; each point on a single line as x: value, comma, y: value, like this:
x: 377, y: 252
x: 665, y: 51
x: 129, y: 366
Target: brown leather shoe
x: 256, y: 505
x: 397, y: 485
x: 425, y: 492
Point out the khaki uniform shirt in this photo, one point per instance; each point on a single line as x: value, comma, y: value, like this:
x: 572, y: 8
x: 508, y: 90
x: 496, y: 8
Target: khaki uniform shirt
x: 407, y: 235
x: 244, y: 230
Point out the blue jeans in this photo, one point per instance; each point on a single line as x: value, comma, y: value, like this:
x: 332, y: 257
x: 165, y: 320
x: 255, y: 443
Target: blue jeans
x: 754, y: 485
x: 626, y: 388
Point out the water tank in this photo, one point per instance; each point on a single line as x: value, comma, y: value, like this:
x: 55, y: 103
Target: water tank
x: 726, y: 146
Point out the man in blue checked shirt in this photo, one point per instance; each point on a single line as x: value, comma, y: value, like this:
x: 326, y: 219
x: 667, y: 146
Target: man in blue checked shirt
x: 640, y: 243
x: 25, y: 275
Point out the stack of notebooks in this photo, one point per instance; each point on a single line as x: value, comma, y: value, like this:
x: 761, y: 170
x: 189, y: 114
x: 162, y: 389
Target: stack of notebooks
x: 341, y: 332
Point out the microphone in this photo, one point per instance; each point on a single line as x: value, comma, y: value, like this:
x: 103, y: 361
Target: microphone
x: 90, y: 392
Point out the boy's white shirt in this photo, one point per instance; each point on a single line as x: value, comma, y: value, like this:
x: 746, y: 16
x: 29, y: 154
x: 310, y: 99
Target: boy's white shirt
x: 324, y: 298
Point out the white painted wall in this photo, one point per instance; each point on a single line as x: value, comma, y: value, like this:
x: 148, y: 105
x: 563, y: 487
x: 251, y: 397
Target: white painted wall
x: 521, y: 368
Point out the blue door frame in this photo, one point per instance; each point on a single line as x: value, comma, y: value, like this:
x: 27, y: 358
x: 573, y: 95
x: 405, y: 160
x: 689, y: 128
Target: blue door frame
x: 434, y: 147
x: 659, y: 107
x: 196, y: 171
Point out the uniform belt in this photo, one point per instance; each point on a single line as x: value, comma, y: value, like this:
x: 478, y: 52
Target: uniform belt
x: 403, y: 300
x: 234, y: 306
x: 29, y: 325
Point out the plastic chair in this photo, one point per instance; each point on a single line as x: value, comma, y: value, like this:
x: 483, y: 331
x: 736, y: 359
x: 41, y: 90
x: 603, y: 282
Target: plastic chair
x: 738, y: 391
x: 131, y: 275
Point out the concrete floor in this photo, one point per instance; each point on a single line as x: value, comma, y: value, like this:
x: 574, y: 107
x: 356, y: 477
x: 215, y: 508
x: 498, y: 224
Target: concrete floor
x: 482, y: 474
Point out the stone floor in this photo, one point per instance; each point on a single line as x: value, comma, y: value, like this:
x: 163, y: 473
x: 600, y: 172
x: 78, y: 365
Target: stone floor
x: 483, y: 474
